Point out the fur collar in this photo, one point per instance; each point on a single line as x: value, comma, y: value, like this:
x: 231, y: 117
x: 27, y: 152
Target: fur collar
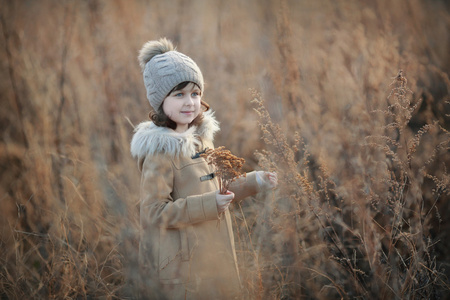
x: 150, y: 139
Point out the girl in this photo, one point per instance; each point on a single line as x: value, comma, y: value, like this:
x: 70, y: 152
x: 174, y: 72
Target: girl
x: 182, y: 247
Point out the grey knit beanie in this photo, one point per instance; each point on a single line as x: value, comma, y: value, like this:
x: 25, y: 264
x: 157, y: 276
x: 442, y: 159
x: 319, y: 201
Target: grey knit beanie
x: 164, y: 68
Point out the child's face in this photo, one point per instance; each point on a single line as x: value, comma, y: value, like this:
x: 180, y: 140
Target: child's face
x: 183, y: 106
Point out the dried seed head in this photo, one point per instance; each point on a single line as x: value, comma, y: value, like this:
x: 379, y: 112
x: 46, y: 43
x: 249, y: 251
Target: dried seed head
x: 227, y: 166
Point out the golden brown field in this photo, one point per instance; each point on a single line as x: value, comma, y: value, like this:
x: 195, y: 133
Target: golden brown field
x: 310, y: 89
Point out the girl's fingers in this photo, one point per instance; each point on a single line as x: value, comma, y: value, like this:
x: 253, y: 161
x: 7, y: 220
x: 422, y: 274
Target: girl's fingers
x: 271, y: 174
x: 273, y: 179
x: 267, y: 180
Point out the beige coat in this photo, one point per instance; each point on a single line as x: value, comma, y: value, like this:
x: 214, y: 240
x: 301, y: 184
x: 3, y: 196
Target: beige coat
x: 183, y: 247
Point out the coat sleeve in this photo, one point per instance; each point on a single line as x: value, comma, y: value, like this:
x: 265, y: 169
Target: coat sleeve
x: 157, y: 206
x: 244, y: 187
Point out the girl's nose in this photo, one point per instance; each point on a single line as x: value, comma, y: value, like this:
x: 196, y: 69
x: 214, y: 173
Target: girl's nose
x: 190, y: 100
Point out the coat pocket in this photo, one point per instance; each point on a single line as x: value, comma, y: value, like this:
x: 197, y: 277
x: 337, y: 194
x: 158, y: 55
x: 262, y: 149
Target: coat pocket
x: 173, y: 254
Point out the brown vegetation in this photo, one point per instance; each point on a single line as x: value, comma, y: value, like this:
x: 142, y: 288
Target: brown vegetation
x: 361, y: 149
x: 226, y: 165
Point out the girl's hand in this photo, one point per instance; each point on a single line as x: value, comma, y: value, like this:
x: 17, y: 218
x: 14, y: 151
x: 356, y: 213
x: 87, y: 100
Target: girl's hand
x: 223, y: 201
x: 267, y: 180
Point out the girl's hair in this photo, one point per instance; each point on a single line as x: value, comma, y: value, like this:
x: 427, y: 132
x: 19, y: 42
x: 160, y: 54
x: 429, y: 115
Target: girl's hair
x: 160, y: 119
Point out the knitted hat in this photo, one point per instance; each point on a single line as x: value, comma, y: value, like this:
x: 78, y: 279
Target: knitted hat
x: 164, y: 68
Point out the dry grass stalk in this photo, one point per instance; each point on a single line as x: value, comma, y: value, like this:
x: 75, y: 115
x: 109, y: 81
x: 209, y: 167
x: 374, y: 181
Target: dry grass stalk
x: 384, y: 250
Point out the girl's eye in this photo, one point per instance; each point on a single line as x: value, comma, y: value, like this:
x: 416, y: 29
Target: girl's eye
x: 195, y: 94
x: 179, y: 95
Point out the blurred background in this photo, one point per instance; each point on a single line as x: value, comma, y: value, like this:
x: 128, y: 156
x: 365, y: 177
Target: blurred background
x: 72, y: 92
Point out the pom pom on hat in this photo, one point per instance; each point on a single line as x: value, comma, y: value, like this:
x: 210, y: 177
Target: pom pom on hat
x: 164, y: 68
x: 152, y: 48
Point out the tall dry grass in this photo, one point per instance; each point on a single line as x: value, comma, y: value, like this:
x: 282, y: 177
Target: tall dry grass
x: 362, y: 231
x: 362, y: 154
